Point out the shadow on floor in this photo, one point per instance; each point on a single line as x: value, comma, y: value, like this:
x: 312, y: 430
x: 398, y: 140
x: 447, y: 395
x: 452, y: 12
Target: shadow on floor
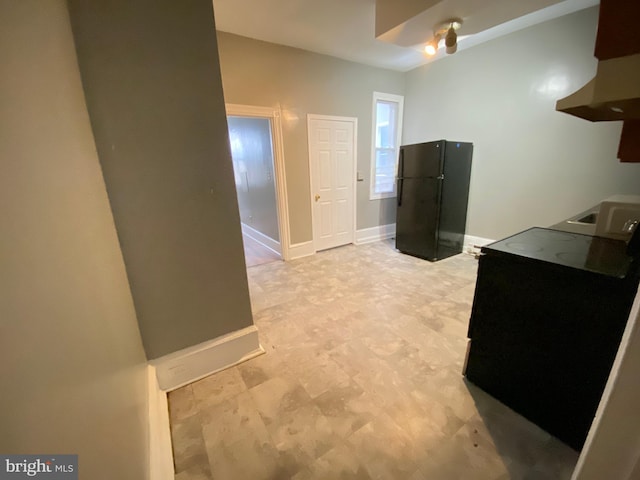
x: 527, y: 451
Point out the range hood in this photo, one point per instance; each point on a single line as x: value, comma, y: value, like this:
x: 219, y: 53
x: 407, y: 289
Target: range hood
x: 614, y: 93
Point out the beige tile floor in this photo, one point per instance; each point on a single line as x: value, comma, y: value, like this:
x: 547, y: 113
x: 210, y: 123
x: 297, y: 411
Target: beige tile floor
x: 361, y: 379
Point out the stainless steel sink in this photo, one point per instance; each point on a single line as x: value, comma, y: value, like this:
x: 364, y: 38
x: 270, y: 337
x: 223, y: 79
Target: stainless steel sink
x: 588, y: 219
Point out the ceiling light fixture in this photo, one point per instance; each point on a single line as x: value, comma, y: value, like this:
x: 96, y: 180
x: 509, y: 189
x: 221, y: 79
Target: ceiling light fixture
x: 446, y: 30
x: 432, y: 46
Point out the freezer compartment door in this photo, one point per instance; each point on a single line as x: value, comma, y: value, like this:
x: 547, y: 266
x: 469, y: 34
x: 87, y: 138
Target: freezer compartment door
x: 421, y: 160
x: 417, y: 216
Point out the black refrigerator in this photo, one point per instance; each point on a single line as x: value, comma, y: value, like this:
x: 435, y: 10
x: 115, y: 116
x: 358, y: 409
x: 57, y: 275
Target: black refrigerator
x: 432, y: 196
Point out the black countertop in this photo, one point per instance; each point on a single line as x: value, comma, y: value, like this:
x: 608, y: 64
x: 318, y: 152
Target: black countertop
x: 583, y: 252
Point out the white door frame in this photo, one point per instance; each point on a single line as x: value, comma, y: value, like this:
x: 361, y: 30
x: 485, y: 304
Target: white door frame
x: 354, y: 120
x: 282, y: 202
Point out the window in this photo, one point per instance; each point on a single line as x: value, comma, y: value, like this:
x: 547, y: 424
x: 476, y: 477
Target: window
x: 387, y: 129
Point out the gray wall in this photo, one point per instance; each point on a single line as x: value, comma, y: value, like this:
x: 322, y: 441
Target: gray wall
x: 73, y: 367
x: 301, y: 82
x: 532, y: 165
x: 152, y: 81
x: 252, y: 153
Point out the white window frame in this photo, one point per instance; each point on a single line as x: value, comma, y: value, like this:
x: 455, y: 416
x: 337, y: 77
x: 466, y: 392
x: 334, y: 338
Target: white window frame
x: 399, y: 100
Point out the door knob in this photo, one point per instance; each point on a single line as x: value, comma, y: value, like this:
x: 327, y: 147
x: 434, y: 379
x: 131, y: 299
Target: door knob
x: 317, y: 197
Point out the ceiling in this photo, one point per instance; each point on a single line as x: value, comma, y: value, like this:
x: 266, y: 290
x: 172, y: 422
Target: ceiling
x: 347, y: 28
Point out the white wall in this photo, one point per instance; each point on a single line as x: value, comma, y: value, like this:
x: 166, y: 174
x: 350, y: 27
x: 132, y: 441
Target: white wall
x: 532, y: 166
x: 73, y: 367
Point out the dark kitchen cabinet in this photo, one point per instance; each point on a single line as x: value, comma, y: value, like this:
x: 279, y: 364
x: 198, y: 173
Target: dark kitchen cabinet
x: 548, y: 315
x: 618, y: 34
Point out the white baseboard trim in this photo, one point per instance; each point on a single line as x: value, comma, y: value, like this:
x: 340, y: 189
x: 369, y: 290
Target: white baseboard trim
x: 471, y: 243
x: 299, y: 250
x: 193, y: 363
x: 261, y: 238
x: 160, y: 449
x: 374, y: 234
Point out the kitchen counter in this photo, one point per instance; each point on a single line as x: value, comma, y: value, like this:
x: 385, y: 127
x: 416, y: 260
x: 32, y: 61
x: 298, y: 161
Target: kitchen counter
x: 615, y: 217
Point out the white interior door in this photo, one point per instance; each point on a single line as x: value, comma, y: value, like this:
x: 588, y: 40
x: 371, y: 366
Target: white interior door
x: 332, y: 164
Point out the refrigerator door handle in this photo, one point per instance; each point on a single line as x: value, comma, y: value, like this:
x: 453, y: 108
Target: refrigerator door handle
x: 400, y: 177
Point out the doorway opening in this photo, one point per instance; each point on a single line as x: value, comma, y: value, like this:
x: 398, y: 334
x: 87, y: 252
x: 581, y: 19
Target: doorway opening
x: 258, y: 165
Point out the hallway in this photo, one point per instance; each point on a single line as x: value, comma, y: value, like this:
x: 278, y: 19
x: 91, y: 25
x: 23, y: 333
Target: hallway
x: 257, y: 254
x: 361, y: 379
